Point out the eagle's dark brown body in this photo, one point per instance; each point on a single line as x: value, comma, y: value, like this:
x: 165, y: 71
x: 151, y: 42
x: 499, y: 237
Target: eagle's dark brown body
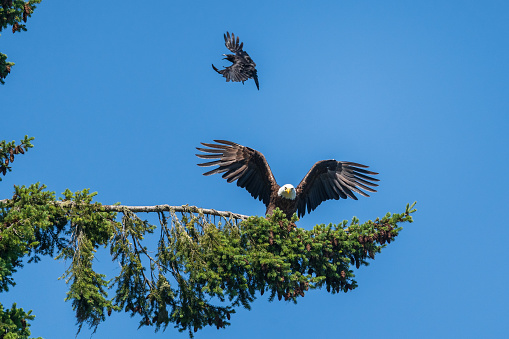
x: 327, y: 179
x: 286, y: 205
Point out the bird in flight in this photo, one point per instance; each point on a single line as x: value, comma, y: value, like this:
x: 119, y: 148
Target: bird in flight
x: 327, y: 179
x: 243, y: 67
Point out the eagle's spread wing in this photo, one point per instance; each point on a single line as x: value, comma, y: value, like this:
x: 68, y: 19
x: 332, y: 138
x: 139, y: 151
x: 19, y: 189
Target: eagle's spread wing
x: 231, y: 44
x: 243, y: 67
x: 243, y: 164
x: 331, y: 179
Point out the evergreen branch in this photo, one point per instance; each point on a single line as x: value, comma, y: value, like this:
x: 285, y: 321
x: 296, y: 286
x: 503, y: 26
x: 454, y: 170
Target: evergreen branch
x: 13, y: 13
x: 9, y: 149
x: 5, y: 67
x: 201, y: 271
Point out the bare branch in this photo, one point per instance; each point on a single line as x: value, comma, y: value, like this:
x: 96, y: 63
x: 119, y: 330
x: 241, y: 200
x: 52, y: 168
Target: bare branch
x: 156, y: 208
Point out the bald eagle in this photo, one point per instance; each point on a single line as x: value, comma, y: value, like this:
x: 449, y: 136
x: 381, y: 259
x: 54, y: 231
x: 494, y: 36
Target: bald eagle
x: 243, y: 66
x: 327, y: 179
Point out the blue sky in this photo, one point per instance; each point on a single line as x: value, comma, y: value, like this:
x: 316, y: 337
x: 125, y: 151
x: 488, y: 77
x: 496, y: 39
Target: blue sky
x: 118, y: 94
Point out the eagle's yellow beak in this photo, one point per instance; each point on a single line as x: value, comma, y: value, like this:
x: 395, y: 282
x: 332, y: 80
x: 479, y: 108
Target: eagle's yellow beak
x: 287, y: 190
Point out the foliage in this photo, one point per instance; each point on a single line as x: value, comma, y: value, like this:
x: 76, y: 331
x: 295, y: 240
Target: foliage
x: 29, y: 226
x: 13, y: 323
x: 32, y: 224
x: 198, y: 261
x: 9, y: 149
x: 89, y: 229
x: 5, y: 67
x: 12, y: 13
x: 202, y: 270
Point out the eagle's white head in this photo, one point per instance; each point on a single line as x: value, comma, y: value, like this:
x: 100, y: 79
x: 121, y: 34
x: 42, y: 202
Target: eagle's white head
x: 287, y: 191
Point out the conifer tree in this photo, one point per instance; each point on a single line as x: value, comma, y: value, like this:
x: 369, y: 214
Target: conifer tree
x: 202, y: 255
x: 13, y: 13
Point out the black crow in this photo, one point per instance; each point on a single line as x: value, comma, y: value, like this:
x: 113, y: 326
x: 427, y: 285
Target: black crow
x: 243, y: 66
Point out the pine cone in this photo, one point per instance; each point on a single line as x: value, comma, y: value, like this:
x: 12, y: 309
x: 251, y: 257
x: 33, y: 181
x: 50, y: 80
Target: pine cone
x: 27, y: 9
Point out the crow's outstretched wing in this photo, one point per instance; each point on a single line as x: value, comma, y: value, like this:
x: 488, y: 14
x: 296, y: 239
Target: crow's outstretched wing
x: 331, y: 179
x: 231, y: 44
x: 238, y: 73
